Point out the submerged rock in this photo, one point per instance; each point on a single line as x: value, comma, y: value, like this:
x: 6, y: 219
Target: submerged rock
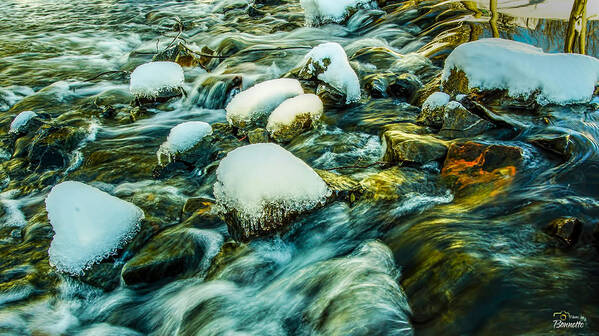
x: 401, y: 146
x: 458, y: 122
x: 261, y: 187
x: 344, y: 188
x: 471, y: 166
x: 294, y: 116
x: 566, y: 229
x: 51, y: 146
x: 383, y: 85
x: 171, y: 253
x: 561, y: 145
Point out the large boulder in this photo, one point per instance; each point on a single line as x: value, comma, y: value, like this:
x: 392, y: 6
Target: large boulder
x: 520, y: 72
x: 185, y: 142
x: 156, y: 82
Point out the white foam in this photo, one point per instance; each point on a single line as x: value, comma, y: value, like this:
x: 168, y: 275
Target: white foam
x: 259, y: 101
x: 150, y: 79
x: 89, y: 225
x: 524, y: 70
x: 339, y: 74
x: 331, y: 11
x: 21, y: 120
x: 250, y: 178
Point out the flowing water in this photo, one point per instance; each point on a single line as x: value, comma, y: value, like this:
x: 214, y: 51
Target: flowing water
x: 418, y: 258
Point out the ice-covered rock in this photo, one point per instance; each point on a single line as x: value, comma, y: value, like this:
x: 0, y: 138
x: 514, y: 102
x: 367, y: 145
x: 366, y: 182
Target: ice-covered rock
x: 182, y: 138
x: 523, y: 71
x: 328, y: 63
x: 155, y: 80
x: 433, y: 109
x: 319, y: 12
x: 20, y: 121
x: 255, y: 104
x: 260, y: 187
x: 89, y: 225
x: 294, y: 116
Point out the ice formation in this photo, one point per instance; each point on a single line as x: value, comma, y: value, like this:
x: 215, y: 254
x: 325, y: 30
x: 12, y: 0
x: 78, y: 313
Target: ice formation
x: 256, y: 103
x: 436, y: 100
x: 89, y: 225
x: 331, y: 11
x: 21, y: 121
x: 151, y: 79
x: 338, y: 74
x: 183, y: 137
x: 263, y: 180
x: 306, y: 105
x: 525, y: 71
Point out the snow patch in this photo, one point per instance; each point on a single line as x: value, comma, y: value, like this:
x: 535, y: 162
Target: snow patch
x: 20, y: 121
x: 252, y: 178
x: 525, y: 71
x: 259, y: 101
x: 436, y: 100
x: 89, y: 225
x: 332, y: 11
x: 289, y: 110
x: 338, y: 74
x: 151, y: 79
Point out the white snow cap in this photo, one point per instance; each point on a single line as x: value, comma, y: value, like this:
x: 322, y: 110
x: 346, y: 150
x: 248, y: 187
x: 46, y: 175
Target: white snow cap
x: 436, y: 100
x: 21, y: 121
x: 339, y: 74
x: 89, y: 225
x: 260, y: 100
x: 150, y: 79
x: 253, y: 177
x: 327, y: 11
x: 524, y: 70
x: 285, y: 114
x: 186, y: 135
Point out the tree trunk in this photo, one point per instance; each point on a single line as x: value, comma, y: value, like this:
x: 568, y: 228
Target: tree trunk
x: 577, y: 27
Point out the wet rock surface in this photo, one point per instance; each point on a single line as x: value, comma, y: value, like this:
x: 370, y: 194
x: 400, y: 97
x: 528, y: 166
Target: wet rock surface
x: 409, y: 147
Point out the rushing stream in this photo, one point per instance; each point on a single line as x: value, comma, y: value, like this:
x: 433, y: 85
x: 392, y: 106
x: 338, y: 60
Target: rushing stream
x: 415, y: 257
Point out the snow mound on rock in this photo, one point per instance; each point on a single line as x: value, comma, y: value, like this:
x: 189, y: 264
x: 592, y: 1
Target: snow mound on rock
x: 89, y: 225
x: 183, y: 137
x: 287, y: 113
x: 436, y: 100
x: 256, y: 103
x: 265, y: 177
x: 332, y: 11
x: 21, y: 120
x: 151, y: 79
x: 524, y: 70
x: 338, y: 74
